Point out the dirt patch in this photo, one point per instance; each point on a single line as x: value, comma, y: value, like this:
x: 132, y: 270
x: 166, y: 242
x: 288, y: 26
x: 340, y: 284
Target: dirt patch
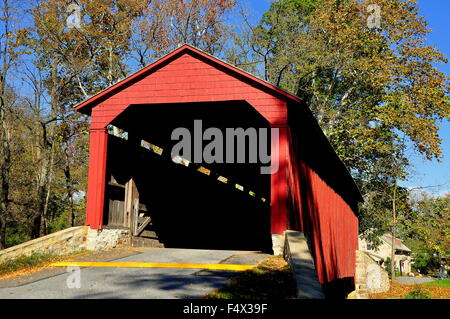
x: 270, y: 279
x: 34, y: 263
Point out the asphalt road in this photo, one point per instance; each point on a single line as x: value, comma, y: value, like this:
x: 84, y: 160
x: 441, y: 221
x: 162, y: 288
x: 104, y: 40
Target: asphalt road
x: 135, y: 283
x: 414, y: 280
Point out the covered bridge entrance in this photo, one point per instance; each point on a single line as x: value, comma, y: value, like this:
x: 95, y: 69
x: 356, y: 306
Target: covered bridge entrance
x: 181, y: 203
x: 135, y: 182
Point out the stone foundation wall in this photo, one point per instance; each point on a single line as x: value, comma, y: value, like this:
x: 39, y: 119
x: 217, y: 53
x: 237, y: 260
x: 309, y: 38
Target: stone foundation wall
x: 107, y: 238
x: 59, y: 243
x: 369, y: 276
x: 68, y: 241
x: 278, y: 244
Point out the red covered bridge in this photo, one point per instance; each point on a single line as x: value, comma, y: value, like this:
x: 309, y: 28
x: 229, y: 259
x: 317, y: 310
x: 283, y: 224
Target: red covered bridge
x: 134, y: 183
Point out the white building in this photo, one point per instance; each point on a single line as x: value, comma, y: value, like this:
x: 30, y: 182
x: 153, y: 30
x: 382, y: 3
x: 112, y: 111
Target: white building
x: 403, y: 259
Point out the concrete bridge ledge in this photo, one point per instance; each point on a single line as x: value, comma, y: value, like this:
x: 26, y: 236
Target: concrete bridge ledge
x: 297, y: 254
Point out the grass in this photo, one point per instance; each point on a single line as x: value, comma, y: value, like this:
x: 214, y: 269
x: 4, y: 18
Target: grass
x: 422, y: 291
x: 27, y: 264
x: 270, y: 279
x: 438, y: 283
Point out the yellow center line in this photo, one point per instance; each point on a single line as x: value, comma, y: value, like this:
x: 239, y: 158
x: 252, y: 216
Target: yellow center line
x: 154, y: 265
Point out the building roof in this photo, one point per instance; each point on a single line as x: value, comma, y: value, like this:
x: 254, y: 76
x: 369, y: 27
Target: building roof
x: 87, y: 105
x: 387, y: 238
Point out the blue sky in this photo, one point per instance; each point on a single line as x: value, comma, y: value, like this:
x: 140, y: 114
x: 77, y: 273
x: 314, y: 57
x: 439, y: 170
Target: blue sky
x: 423, y: 173
x: 436, y: 13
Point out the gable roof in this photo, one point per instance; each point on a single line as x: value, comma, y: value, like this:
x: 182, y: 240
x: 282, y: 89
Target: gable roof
x: 87, y: 105
x: 398, y: 243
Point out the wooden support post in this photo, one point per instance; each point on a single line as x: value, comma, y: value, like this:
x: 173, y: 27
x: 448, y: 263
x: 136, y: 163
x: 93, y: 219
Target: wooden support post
x: 279, y: 192
x: 131, y: 205
x: 97, y: 177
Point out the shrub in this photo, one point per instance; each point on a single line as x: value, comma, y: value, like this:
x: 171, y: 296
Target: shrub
x: 15, y: 235
x: 418, y: 294
x: 387, y: 267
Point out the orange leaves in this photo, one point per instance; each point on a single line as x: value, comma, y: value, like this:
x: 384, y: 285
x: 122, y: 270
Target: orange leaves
x: 166, y: 24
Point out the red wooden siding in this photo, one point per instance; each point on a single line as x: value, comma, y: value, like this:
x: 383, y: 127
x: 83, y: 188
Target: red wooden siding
x: 96, y: 178
x: 315, y: 176
x: 189, y: 79
x: 333, y: 226
x: 278, y: 192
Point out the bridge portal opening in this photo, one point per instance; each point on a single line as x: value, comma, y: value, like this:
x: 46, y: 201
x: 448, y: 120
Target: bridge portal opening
x: 182, y: 203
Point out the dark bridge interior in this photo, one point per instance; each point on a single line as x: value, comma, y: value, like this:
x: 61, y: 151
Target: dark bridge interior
x: 189, y: 208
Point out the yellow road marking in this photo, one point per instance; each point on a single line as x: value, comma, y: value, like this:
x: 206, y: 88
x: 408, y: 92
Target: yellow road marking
x: 154, y: 265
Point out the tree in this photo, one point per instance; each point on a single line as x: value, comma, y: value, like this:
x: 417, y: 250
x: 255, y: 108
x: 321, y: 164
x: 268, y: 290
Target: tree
x: 10, y: 51
x: 430, y: 224
x: 58, y: 81
x: 43, y: 141
x: 372, y: 90
x: 166, y: 24
x: 425, y: 262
